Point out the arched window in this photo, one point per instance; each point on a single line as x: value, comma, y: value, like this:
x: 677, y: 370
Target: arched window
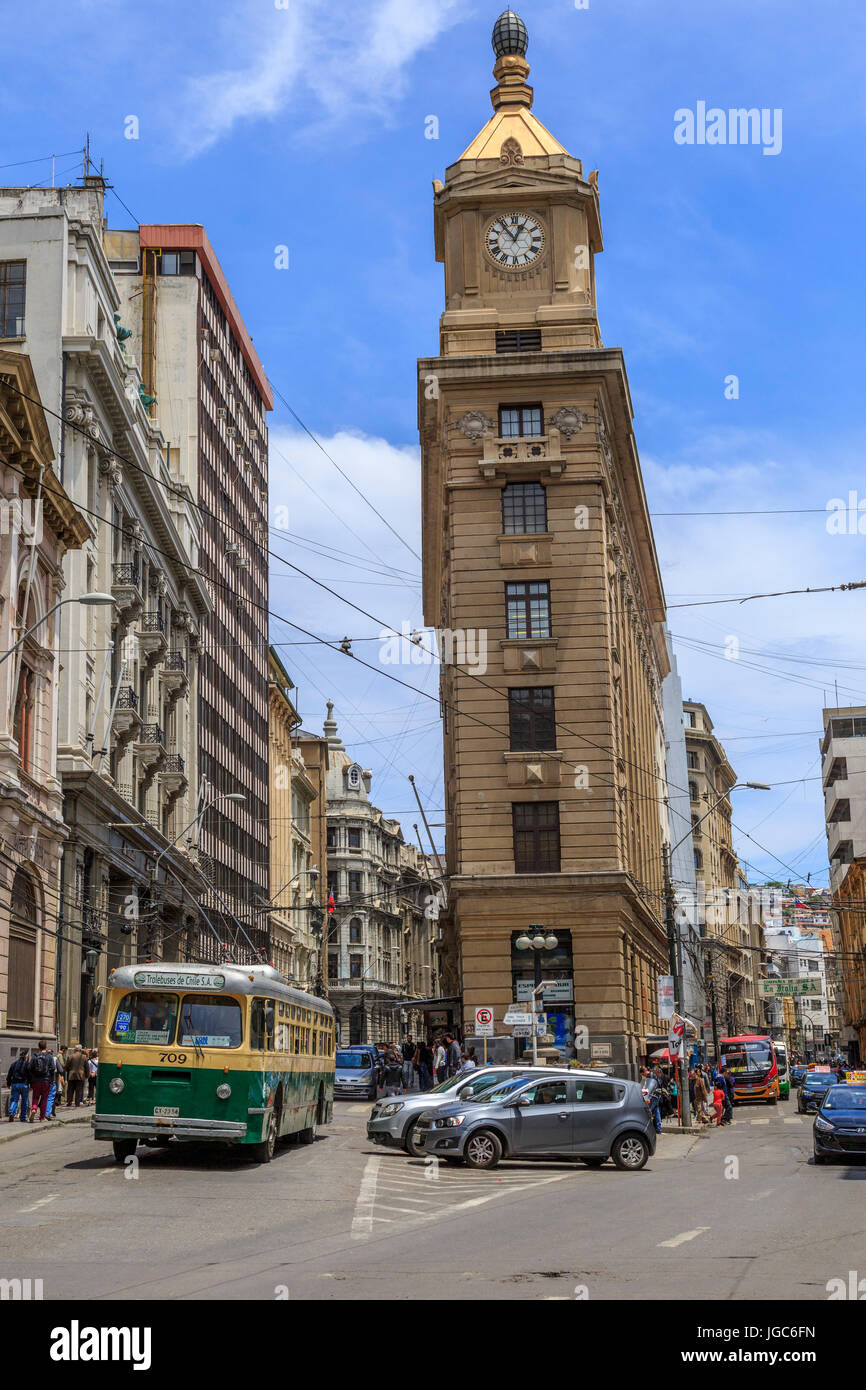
x: 23, y: 936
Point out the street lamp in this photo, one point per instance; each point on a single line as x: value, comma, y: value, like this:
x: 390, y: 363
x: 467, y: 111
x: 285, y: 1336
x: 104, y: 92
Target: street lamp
x: 89, y: 601
x: 537, y: 943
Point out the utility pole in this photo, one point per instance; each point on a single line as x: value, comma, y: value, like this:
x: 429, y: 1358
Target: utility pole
x: 675, y: 963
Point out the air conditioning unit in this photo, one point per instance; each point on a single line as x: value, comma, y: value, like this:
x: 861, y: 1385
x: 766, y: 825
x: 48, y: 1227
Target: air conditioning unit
x: 221, y: 412
x: 215, y: 355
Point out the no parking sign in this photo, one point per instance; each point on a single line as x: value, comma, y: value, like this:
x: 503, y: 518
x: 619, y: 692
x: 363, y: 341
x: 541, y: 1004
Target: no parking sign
x: 483, y: 1022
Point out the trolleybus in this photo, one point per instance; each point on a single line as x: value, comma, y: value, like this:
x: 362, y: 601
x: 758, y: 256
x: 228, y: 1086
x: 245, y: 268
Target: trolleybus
x: 227, y: 1054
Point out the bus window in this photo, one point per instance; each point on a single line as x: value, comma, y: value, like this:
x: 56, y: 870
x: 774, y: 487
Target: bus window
x: 145, y: 1018
x: 257, y: 1025
x: 211, y: 1020
x: 298, y: 1044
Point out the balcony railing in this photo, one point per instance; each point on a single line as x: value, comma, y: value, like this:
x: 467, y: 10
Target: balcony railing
x: 173, y: 763
x: 174, y: 661
x: 151, y: 622
x: 151, y: 733
x: 126, y: 573
x: 127, y: 698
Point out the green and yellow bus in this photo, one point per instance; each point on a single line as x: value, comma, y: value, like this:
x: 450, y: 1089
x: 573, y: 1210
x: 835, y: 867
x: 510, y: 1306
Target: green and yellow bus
x: 230, y: 1054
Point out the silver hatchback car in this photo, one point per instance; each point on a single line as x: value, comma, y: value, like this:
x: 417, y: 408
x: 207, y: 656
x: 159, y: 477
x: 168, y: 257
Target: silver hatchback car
x: 393, y: 1122
x: 570, y: 1116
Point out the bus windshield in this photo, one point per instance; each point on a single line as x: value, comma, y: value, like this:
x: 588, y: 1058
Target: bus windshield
x: 752, y: 1057
x: 145, y: 1018
x: 210, y: 1020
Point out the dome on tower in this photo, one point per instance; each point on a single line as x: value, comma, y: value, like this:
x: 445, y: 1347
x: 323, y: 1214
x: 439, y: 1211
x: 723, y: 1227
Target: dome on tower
x: 509, y: 35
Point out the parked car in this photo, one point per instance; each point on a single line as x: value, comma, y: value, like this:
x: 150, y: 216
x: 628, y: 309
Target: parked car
x: 839, y: 1128
x: 569, y: 1116
x: 357, y: 1073
x: 393, y: 1121
x: 813, y: 1088
x: 797, y: 1073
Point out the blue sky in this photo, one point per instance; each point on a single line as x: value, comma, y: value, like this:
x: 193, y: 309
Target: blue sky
x: 304, y: 126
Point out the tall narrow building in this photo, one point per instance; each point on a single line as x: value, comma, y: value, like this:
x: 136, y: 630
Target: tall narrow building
x: 538, y: 550
x: 198, y: 360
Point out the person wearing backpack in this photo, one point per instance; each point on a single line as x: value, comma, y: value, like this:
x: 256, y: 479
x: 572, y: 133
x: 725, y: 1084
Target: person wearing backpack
x: 18, y: 1078
x: 41, y: 1073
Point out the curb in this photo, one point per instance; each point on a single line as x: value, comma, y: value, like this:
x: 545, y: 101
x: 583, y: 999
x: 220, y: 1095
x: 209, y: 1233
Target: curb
x: 17, y: 1130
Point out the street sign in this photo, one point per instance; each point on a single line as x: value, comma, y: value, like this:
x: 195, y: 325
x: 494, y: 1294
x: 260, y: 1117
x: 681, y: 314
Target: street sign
x: 483, y: 1022
x: 600, y: 1050
x: 514, y: 1014
x: 798, y: 985
x: 553, y: 989
x: 521, y: 1030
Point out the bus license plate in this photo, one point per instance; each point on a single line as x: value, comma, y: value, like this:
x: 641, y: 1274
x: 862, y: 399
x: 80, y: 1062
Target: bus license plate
x: 171, y: 1111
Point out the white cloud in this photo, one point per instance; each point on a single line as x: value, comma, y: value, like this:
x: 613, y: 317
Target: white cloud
x: 345, y: 61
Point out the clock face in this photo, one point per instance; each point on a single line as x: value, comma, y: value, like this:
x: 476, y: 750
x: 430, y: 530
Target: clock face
x: 514, y: 240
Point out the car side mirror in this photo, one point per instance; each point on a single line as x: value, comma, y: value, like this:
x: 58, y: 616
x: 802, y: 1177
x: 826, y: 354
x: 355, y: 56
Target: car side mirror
x: 522, y: 1100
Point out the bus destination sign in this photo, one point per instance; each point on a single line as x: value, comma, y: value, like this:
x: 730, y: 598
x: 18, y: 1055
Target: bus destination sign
x: 159, y: 979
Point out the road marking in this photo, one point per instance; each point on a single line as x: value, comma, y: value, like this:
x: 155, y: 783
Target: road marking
x: 758, y: 1122
x: 759, y: 1196
x: 43, y: 1202
x: 681, y: 1239
x: 793, y: 1119
x: 362, y: 1221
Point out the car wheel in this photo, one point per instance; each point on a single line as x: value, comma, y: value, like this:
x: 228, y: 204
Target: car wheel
x: 123, y: 1149
x: 264, y: 1152
x: 482, y: 1150
x: 630, y: 1151
x: 410, y: 1141
x: 592, y: 1162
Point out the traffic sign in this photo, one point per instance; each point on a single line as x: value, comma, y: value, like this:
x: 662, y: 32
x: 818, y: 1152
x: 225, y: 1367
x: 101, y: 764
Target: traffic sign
x: 483, y: 1022
x: 521, y: 1030
x: 516, y: 1014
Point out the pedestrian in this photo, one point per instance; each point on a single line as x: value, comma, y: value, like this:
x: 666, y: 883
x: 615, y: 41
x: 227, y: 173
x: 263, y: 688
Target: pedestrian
x: 469, y: 1063
x: 393, y: 1071
x: 699, y: 1099
x: 59, y: 1078
x: 440, y: 1062
x: 719, y: 1102
x: 728, y: 1088
x: 654, y: 1097
x: 92, y: 1069
x: 18, y: 1078
x: 455, y: 1056
x: 76, y: 1075
x: 425, y: 1065
x: 408, y: 1050
x: 41, y: 1071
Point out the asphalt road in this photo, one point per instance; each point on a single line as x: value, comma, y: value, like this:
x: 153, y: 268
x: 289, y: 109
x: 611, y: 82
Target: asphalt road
x: 742, y: 1213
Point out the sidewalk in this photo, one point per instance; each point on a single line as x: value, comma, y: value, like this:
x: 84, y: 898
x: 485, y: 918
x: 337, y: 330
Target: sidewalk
x: 17, y: 1130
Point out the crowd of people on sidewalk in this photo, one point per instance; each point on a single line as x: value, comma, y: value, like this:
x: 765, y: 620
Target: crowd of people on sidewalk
x: 39, y: 1079
x: 711, y: 1094
x: 421, y: 1065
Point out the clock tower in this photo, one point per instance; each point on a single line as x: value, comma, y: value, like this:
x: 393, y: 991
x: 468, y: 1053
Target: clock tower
x: 540, y: 565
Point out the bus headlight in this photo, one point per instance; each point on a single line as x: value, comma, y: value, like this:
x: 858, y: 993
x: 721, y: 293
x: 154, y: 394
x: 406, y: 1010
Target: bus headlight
x: 224, y: 1091
x: 115, y: 1085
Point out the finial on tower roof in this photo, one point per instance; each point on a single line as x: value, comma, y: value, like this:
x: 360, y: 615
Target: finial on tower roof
x: 510, y: 42
x: 510, y: 35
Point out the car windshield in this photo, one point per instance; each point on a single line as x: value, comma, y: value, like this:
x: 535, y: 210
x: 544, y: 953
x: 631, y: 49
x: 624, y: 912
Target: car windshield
x: 210, y: 1020
x: 357, y: 1061
x: 818, y: 1079
x: 502, y: 1091
x: 846, y: 1098
x: 447, y: 1085
x: 481, y: 1087
x: 145, y: 1018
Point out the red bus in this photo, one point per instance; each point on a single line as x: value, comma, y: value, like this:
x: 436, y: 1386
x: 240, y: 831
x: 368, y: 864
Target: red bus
x: 751, y: 1060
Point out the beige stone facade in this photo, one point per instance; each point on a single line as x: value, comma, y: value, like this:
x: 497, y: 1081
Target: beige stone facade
x: 38, y: 524
x: 539, y: 556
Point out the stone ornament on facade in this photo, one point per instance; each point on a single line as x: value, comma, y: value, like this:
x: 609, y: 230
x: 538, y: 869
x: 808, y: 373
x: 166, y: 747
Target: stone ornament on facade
x: 110, y: 470
x: 474, y: 424
x: 80, y: 414
x: 568, y: 420
x: 511, y: 154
